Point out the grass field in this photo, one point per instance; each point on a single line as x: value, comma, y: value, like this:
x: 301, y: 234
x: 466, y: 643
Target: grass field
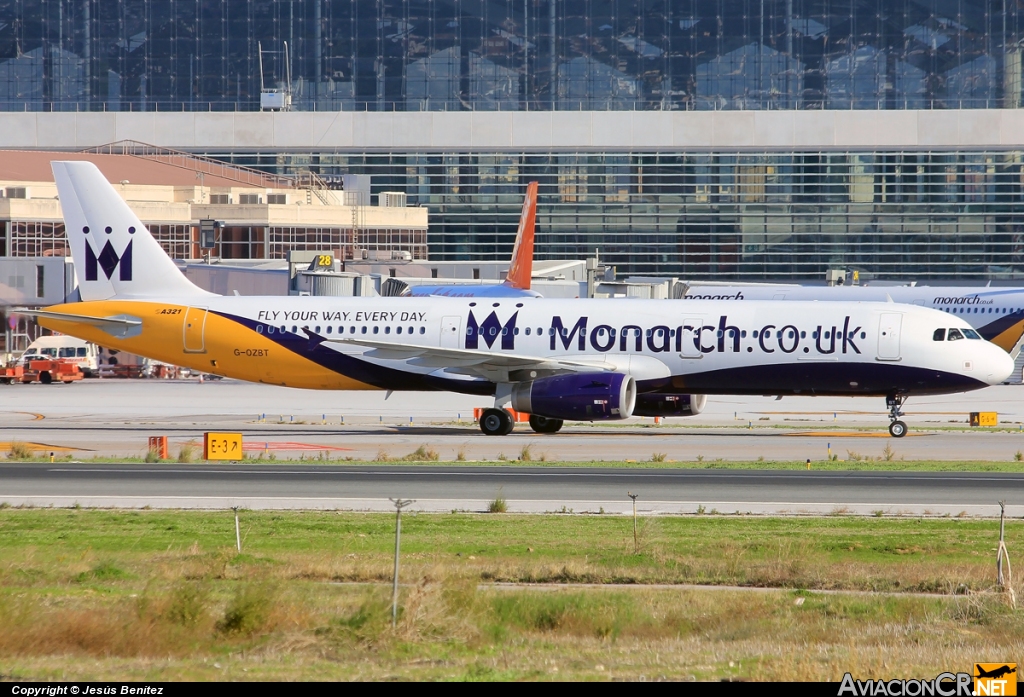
x: 532, y: 455
x: 88, y: 594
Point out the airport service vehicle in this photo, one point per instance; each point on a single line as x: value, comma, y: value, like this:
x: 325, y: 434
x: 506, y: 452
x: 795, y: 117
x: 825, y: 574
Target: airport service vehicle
x: 68, y: 348
x: 586, y: 360
x: 517, y: 280
x: 996, y: 313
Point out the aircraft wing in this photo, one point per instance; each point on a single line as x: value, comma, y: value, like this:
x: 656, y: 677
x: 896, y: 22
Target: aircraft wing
x: 119, y: 325
x: 499, y: 367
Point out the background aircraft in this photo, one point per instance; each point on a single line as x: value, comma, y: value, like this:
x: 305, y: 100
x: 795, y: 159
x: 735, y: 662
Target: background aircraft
x: 517, y: 281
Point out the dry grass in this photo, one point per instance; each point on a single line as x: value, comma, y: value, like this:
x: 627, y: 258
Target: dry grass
x: 99, y: 595
x: 19, y: 451
x: 422, y: 454
x: 187, y: 452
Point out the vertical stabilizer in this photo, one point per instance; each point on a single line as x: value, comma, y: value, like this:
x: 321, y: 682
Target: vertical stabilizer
x: 115, y: 256
x: 520, y: 272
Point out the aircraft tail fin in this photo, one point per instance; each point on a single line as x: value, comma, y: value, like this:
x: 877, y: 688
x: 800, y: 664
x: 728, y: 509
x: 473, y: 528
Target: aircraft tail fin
x: 1009, y: 337
x: 114, y: 253
x: 520, y: 273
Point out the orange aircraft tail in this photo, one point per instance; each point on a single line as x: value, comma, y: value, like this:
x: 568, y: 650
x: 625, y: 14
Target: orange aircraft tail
x: 521, y: 271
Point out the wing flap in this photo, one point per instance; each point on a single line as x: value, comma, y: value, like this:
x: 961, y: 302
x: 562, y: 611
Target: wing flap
x: 472, y: 362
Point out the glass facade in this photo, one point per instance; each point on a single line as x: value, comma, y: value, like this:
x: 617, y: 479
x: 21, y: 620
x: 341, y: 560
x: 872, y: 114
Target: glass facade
x: 510, y: 54
x: 738, y: 215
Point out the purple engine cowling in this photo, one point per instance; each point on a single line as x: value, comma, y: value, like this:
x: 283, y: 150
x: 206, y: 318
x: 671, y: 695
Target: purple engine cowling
x: 655, y: 404
x: 579, y: 396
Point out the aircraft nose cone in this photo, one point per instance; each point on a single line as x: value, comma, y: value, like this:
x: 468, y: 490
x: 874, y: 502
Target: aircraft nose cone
x: 998, y: 365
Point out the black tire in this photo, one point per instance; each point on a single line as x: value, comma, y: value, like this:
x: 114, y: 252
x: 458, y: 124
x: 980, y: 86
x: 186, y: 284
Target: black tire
x: 542, y: 424
x: 45, y: 377
x: 496, y: 422
x: 897, y: 429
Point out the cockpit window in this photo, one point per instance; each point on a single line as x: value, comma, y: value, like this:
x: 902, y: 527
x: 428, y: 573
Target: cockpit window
x: 955, y: 335
x: 939, y: 335
x: 971, y: 334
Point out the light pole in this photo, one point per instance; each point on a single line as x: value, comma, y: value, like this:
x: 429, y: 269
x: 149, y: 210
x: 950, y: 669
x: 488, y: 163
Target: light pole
x: 399, y: 505
x: 636, y: 542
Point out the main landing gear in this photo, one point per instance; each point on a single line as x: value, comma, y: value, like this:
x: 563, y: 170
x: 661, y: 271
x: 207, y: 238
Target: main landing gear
x: 897, y: 429
x: 498, y: 422
x: 542, y: 424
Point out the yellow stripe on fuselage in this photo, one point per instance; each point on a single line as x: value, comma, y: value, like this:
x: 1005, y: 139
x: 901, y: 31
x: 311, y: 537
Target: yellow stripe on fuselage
x: 223, y: 347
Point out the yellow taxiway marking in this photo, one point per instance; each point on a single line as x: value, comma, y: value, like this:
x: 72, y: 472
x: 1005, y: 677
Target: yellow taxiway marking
x: 847, y: 434
x: 42, y: 446
x: 35, y: 416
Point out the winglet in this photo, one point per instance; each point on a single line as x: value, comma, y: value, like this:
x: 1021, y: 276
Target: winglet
x: 520, y: 272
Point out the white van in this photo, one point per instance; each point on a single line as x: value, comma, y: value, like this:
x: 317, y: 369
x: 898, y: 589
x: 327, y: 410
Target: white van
x: 68, y: 347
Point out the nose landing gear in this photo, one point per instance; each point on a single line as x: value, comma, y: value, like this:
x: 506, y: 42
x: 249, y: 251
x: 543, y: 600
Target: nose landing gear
x: 897, y: 429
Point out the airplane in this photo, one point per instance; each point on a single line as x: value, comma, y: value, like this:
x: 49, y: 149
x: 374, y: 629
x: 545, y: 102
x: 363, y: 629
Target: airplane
x: 580, y: 359
x: 996, y: 672
x: 517, y: 280
x: 996, y: 313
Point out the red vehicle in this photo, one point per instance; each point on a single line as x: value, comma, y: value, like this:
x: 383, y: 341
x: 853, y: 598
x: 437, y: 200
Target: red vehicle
x: 49, y: 371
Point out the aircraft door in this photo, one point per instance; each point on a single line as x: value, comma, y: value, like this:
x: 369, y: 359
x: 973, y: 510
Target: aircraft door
x: 194, y: 330
x: 451, y: 337
x: 689, y: 345
x: 889, y: 336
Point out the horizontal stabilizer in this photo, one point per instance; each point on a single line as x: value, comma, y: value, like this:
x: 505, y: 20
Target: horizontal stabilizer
x: 121, y: 326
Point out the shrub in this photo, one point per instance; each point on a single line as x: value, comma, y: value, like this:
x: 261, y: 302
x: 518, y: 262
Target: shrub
x: 658, y: 457
x: 498, y: 505
x: 187, y: 604
x: 422, y: 454
x: 187, y: 452
x: 249, y: 610
x: 19, y: 451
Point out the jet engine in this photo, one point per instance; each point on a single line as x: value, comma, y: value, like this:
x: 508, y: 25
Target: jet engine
x: 579, y: 396
x: 655, y: 404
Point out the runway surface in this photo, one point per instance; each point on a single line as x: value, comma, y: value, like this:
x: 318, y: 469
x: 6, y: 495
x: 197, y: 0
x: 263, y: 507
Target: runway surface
x: 526, y: 489
x: 115, y: 417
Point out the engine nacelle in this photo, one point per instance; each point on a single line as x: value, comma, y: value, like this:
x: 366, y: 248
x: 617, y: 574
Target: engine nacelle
x: 655, y: 404
x: 579, y: 396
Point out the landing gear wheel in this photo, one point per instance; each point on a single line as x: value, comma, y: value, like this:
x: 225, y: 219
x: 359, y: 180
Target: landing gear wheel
x: 897, y: 429
x: 496, y: 422
x: 542, y: 424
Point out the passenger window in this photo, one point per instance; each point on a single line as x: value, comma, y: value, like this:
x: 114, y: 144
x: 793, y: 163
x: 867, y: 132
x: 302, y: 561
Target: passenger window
x: 955, y: 335
x: 527, y: 331
x: 410, y: 330
x: 295, y: 330
x: 270, y: 330
x: 939, y: 335
x: 971, y: 334
x: 423, y: 330
x: 329, y: 329
x: 364, y: 329
x: 81, y: 350
x: 259, y: 329
x: 376, y: 330
x: 398, y: 330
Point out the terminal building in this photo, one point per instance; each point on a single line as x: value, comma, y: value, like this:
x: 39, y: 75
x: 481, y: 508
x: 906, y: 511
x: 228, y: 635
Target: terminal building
x: 726, y: 140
